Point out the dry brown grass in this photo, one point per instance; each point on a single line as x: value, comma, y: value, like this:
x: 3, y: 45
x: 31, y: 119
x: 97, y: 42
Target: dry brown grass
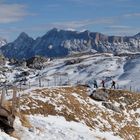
x: 15, y: 135
x: 131, y: 99
x: 69, y: 102
x: 24, y: 120
x: 130, y: 132
x: 92, y: 114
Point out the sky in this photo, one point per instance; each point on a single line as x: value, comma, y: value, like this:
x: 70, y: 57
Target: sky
x: 36, y: 17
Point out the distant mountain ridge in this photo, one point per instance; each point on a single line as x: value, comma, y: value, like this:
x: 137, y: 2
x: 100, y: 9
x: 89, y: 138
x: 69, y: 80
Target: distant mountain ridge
x: 60, y: 43
x: 2, y: 42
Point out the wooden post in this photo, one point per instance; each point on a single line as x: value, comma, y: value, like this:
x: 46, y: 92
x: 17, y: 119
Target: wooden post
x: 60, y: 83
x: 55, y: 80
x: 18, y: 103
x: 2, y: 97
x: 29, y: 85
x: 14, y: 100
x: 48, y: 83
x: 130, y: 88
x: 6, y: 89
x: 20, y: 86
x: 68, y: 79
x: 39, y: 81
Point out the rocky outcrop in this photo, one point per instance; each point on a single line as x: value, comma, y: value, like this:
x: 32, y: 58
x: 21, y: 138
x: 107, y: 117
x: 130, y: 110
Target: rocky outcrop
x: 111, y: 106
x: 73, y: 61
x: 99, y: 95
x: 36, y: 62
x: 6, y: 120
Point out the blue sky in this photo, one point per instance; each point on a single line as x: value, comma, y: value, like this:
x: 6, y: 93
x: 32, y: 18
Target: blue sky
x: 36, y: 17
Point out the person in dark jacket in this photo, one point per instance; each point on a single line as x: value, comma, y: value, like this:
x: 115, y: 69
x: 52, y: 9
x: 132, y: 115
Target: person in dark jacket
x: 95, y: 84
x: 113, y: 84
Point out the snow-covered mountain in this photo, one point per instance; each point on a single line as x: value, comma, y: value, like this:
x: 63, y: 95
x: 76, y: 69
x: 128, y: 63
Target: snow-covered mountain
x: 2, y: 42
x: 75, y: 70
x: 59, y: 43
x: 21, y: 47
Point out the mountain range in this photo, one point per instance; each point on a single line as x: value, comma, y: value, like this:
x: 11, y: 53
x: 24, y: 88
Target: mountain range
x: 60, y: 43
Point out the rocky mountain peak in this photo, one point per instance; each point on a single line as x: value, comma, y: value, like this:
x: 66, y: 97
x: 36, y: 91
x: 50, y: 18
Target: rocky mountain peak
x: 52, y: 31
x: 23, y: 36
x: 20, y: 48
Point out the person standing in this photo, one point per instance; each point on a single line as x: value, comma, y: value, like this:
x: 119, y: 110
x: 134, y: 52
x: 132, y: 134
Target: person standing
x: 95, y: 84
x: 103, y: 83
x: 113, y: 84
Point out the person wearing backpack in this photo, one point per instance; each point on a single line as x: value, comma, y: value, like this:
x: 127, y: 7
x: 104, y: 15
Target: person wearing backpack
x: 95, y: 84
x: 113, y: 84
x: 103, y: 83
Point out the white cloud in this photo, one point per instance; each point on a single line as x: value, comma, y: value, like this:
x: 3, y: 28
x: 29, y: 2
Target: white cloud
x: 73, y: 25
x: 12, y: 12
x: 118, y: 27
x: 121, y: 30
x: 78, y: 24
x: 132, y: 15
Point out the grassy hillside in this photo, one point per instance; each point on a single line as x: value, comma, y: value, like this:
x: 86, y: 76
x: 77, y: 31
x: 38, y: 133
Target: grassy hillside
x: 75, y: 105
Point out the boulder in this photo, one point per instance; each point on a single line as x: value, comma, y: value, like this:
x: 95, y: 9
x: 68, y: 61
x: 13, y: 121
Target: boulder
x: 111, y: 106
x: 73, y: 61
x: 99, y: 95
x: 6, y: 120
x: 5, y: 126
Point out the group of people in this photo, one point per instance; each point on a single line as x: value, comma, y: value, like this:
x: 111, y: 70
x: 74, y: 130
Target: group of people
x: 113, y: 84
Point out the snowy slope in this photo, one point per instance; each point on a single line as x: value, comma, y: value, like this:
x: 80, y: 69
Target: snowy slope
x: 75, y: 70
x: 79, y: 70
x: 87, y: 119
x: 4, y: 136
x: 101, y: 67
x: 131, y: 76
x: 56, y: 127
